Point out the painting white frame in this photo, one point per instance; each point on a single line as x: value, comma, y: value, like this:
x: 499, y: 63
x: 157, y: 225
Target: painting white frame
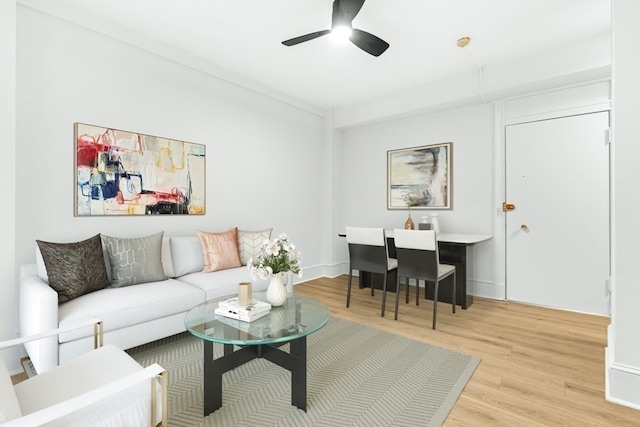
x: 425, y: 172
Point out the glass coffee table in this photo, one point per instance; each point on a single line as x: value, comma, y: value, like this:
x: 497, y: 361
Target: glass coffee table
x: 290, y: 323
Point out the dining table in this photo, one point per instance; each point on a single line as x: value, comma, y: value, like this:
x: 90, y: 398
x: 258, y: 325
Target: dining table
x: 455, y: 249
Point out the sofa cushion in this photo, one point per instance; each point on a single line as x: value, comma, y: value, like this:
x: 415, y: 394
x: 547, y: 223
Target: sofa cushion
x: 129, y: 305
x: 186, y: 255
x: 74, y: 269
x: 219, y: 250
x: 250, y: 243
x: 224, y: 282
x: 135, y: 261
x: 167, y: 263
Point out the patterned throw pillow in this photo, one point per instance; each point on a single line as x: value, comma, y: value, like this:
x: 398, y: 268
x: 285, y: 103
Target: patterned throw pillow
x: 219, y: 250
x: 74, y: 269
x: 135, y: 261
x: 250, y: 243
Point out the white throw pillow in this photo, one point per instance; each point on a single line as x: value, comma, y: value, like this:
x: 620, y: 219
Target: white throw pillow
x: 186, y: 255
x: 250, y: 242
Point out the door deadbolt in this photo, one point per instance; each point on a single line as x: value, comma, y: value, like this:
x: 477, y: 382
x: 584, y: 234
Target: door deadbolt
x: 508, y: 207
x: 524, y: 227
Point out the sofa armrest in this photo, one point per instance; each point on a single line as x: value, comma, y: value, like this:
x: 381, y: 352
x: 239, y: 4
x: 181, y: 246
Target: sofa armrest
x: 39, y: 313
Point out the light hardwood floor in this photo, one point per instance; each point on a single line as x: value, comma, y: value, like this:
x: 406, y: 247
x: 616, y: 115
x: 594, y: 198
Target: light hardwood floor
x: 540, y: 367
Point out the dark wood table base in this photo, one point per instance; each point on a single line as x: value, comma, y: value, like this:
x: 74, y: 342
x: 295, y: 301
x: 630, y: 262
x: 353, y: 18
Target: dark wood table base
x: 294, y: 361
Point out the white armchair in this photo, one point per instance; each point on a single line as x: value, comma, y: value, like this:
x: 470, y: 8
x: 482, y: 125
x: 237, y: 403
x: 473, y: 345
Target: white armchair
x: 104, y: 387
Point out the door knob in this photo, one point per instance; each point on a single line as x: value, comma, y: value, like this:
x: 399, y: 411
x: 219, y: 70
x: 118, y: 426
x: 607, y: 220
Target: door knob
x: 524, y: 227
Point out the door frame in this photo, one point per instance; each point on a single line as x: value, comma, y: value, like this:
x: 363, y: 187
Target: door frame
x: 588, y: 97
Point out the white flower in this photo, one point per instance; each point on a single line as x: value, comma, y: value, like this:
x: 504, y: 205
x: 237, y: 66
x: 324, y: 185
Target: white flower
x: 279, y: 255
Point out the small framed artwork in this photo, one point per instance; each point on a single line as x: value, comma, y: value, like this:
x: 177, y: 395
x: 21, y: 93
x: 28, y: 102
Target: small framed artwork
x: 128, y: 173
x: 420, y: 177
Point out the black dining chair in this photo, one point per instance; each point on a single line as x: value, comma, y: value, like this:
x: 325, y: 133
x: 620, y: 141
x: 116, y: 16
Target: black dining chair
x: 418, y: 258
x: 368, y: 252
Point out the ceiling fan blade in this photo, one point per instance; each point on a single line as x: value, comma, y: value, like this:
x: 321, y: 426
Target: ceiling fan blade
x: 305, y: 38
x: 344, y: 11
x: 368, y: 42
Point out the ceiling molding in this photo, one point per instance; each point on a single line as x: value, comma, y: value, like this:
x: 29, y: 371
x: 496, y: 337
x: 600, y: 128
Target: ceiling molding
x: 138, y: 40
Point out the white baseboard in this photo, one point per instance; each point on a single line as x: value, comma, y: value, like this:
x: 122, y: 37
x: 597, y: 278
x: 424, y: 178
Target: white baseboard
x: 622, y: 383
x: 484, y: 289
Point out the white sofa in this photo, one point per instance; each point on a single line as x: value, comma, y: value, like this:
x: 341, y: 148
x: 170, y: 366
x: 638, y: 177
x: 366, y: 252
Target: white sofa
x: 132, y: 315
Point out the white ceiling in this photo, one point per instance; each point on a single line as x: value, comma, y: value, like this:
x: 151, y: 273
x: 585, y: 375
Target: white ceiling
x: 244, y: 37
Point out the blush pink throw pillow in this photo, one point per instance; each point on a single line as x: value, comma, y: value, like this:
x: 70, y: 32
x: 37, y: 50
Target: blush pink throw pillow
x: 219, y: 250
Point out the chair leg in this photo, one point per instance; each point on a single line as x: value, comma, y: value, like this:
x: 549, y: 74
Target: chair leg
x: 453, y: 297
x: 418, y: 290
x: 398, y: 294
x: 435, y: 305
x: 406, y: 297
x: 384, y: 294
x: 349, y: 287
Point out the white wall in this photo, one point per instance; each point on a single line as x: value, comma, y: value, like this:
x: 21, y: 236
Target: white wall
x: 364, y: 187
x: 265, y: 158
x: 623, y: 351
x: 8, y: 294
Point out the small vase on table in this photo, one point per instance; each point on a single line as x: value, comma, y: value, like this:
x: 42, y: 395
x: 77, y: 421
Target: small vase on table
x: 409, y: 225
x: 276, y: 292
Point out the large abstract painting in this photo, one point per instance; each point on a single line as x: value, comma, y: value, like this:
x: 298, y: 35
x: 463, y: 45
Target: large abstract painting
x: 128, y: 173
x: 420, y: 177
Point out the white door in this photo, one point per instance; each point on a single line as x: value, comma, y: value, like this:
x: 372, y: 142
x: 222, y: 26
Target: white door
x: 557, y: 248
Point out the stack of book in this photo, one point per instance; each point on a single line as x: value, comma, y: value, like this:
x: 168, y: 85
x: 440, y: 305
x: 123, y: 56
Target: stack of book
x: 247, y: 313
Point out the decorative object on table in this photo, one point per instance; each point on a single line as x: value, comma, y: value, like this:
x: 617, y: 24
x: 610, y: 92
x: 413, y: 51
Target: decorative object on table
x: 129, y: 173
x: 275, y: 258
x: 244, y: 293
x: 423, y: 171
x: 276, y: 291
x: 435, y: 223
x: 410, y: 201
x: 246, y: 313
x: 425, y: 224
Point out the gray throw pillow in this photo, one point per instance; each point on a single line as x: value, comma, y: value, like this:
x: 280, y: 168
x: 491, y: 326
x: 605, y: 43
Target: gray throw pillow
x: 74, y: 269
x: 135, y: 261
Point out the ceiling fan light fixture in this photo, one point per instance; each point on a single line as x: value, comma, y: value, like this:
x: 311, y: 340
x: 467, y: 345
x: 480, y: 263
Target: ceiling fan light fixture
x: 341, y: 33
x: 344, y: 11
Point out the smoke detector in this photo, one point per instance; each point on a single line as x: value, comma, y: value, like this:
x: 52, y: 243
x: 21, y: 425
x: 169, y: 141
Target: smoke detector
x: 463, y: 41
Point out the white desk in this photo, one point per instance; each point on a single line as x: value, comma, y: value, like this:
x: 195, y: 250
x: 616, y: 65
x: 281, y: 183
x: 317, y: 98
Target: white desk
x: 459, y: 238
x: 454, y: 248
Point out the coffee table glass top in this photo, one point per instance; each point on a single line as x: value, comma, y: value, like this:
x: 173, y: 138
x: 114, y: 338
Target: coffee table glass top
x: 298, y: 317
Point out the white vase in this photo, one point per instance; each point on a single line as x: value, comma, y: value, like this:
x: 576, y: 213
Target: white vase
x: 435, y: 223
x: 276, y: 292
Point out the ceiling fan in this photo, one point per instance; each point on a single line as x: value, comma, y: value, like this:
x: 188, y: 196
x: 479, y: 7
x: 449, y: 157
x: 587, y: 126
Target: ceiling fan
x: 344, y: 11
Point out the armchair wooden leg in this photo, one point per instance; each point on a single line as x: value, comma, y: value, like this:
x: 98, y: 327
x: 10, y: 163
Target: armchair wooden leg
x: 163, y: 383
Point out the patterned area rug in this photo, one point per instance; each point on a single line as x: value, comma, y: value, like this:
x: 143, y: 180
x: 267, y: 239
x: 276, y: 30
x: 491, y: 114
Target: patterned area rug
x: 356, y: 376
